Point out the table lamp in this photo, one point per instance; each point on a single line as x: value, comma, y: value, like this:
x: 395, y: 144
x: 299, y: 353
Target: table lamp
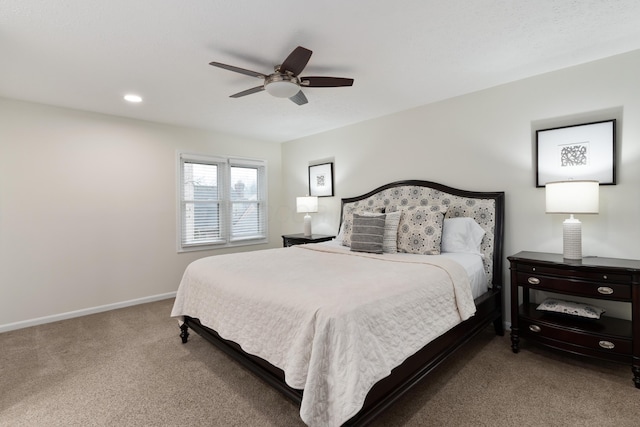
x: 572, y: 197
x: 306, y: 205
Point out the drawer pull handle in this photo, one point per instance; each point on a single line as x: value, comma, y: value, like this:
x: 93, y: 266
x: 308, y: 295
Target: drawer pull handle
x: 533, y: 281
x: 536, y: 328
x: 606, y: 344
x: 605, y: 290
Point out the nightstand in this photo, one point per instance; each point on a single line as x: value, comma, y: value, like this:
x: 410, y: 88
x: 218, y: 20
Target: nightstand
x: 607, y: 338
x: 301, y: 239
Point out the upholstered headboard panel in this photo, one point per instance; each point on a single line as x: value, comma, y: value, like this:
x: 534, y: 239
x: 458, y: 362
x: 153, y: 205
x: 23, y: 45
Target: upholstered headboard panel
x: 486, y: 208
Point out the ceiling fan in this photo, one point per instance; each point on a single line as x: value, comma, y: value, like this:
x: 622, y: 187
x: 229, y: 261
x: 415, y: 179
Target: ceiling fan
x: 284, y: 81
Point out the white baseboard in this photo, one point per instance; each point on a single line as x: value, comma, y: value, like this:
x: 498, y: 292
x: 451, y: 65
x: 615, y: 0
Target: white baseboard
x: 71, y: 314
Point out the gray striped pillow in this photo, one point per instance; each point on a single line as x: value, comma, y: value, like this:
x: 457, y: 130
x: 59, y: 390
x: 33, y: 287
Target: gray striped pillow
x: 390, y: 239
x: 368, y: 233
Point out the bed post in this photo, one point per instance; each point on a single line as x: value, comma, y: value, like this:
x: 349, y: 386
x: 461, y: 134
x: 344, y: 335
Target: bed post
x: 184, y: 332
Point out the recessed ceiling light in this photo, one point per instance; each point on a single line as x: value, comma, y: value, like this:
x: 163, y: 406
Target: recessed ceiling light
x: 133, y: 98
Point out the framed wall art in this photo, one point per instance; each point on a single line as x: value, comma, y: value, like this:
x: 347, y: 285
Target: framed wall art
x: 321, y: 180
x: 578, y: 152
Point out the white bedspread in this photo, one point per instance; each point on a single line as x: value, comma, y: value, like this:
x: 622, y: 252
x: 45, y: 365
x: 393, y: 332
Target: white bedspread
x: 334, y: 321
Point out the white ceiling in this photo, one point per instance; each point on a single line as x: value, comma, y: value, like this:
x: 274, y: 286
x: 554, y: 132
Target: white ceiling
x: 86, y: 54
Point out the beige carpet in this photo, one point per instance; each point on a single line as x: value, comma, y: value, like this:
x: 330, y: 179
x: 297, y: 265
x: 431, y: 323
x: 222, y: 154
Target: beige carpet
x: 128, y: 368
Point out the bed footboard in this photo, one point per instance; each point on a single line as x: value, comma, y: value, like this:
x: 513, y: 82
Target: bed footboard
x: 388, y: 390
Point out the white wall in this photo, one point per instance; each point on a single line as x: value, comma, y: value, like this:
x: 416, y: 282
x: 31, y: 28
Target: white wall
x: 87, y: 201
x: 485, y: 141
x: 88, y: 209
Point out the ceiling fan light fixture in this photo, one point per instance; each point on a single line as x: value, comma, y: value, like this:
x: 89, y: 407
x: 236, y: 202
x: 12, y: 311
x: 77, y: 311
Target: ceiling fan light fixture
x: 284, y: 81
x: 282, y: 86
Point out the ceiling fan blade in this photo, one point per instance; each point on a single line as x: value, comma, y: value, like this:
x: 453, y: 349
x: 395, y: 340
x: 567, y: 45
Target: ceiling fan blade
x: 248, y: 92
x: 238, y: 69
x: 296, y: 61
x: 299, y: 98
x: 325, y: 81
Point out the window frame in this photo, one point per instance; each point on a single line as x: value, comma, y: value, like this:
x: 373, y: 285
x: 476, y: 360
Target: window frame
x: 225, y: 165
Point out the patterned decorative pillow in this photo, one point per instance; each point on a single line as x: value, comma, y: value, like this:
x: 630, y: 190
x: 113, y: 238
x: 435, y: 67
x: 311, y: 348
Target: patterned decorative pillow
x: 420, y: 230
x: 571, y: 308
x: 347, y: 221
x: 368, y: 233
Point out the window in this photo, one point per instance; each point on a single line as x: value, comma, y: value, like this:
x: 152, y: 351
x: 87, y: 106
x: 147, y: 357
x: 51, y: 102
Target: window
x: 223, y: 202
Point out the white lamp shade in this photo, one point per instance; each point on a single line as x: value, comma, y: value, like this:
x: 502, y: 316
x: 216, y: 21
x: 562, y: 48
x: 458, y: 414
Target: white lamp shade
x: 306, y: 204
x: 572, y: 197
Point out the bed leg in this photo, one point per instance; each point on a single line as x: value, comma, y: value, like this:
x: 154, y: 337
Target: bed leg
x: 498, y: 326
x: 515, y: 340
x: 184, y: 332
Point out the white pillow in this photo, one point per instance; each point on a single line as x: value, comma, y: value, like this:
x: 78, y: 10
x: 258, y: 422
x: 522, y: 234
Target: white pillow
x: 390, y: 242
x: 462, y: 234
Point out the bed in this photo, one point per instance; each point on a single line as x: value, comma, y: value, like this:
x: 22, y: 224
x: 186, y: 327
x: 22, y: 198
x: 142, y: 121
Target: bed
x: 344, y: 328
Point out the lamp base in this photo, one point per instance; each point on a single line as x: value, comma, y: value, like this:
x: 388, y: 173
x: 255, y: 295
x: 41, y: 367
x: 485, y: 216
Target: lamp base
x: 307, y: 225
x: 572, y: 238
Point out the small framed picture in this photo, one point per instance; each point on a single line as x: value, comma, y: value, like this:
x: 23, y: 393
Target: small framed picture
x: 321, y: 180
x: 579, y: 152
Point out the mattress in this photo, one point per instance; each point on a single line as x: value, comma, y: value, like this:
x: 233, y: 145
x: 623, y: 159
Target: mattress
x: 472, y: 263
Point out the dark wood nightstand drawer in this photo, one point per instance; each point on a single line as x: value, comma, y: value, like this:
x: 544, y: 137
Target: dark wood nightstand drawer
x: 605, y: 338
x: 587, y: 274
x: 584, y: 288
x: 606, y: 347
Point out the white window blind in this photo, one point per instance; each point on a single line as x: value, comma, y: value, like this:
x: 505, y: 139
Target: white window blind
x: 223, y: 202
